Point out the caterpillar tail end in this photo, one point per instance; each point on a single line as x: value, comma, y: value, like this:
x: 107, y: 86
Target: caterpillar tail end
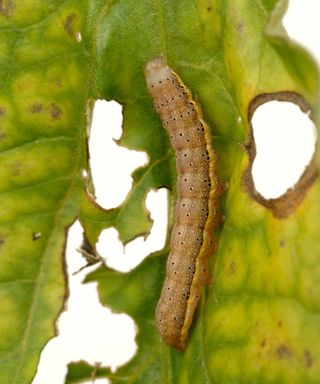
x: 170, y: 333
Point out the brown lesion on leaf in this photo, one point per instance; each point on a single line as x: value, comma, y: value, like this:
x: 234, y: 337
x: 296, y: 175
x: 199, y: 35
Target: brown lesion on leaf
x: 6, y: 7
x: 286, y: 204
x: 263, y: 343
x: 55, y: 111
x: 58, y: 82
x: 282, y: 243
x: 16, y: 168
x: 2, y: 134
x: 36, y: 108
x: 240, y: 27
x: 283, y: 352
x: 308, y: 360
x: 68, y: 23
x: 3, y: 112
x: 232, y: 267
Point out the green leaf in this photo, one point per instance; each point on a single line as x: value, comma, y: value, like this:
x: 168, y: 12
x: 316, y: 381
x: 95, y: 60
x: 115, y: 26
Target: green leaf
x: 43, y: 96
x: 259, y: 319
x: 80, y: 372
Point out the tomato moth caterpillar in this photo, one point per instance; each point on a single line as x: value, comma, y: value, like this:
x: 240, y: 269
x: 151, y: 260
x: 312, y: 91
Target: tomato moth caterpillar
x: 198, y: 191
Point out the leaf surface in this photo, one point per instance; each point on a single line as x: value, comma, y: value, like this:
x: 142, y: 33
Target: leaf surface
x: 259, y: 319
x: 43, y: 95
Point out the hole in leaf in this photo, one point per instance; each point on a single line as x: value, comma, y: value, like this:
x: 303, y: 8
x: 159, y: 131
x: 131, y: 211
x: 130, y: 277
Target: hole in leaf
x: 285, y: 140
x: 86, y: 327
x: 111, y: 165
x: 126, y: 258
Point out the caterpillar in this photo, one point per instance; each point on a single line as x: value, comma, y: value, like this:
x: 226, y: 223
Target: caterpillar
x: 198, y: 191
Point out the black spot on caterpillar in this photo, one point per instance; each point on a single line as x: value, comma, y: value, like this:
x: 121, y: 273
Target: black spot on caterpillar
x: 198, y: 190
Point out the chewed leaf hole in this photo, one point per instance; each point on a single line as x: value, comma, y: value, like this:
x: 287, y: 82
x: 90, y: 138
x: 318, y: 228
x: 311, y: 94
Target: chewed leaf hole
x: 111, y: 165
x: 285, y: 139
x: 126, y: 258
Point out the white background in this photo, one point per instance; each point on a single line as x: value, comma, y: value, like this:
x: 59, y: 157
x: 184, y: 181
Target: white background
x: 89, y: 331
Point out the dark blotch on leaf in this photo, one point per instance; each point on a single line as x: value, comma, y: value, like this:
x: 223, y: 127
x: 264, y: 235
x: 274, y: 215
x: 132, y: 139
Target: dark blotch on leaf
x: 308, y: 359
x: 55, y: 111
x: 232, y: 267
x: 263, y: 343
x: 36, y: 108
x: 68, y: 23
x: 283, y: 352
x: 282, y: 243
x: 240, y: 27
x: 16, y: 168
x: 6, y: 7
x: 2, y: 110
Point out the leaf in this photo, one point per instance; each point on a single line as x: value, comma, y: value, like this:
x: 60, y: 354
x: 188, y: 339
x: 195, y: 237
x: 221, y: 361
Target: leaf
x: 259, y: 319
x: 81, y: 371
x: 141, y: 308
x: 42, y: 151
x: 55, y: 58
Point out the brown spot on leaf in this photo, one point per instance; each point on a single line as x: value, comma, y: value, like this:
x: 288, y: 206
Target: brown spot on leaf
x: 2, y: 112
x: 240, y: 27
x: 6, y: 7
x: 282, y: 243
x: 286, y: 204
x: 36, y: 108
x: 55, y: 111
x: 2, y: 241
x: 308, y: 360
x: 68, y: 23
x: 283, y: 352
x: 232, y: 267
x: 16, y: 168
x: 209, y: 9
x: 263, y: 343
